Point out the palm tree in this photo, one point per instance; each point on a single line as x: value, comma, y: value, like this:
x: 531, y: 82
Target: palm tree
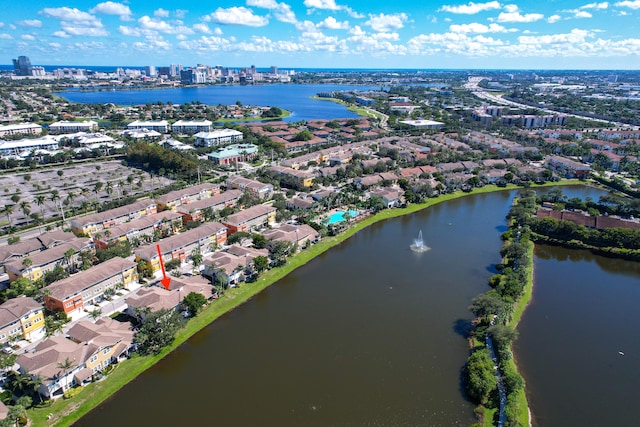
x: 25, y: 207
x: 96, y: 189
x: 26, y: 263
x: 8, y: 210
x: 66, y: 366
x: 68, y: 256
x: 95, y: 314
x: 39, y: 199
x: 109, y: 188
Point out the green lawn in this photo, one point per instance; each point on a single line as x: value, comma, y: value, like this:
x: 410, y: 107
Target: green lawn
x: 66, y: 412
x: 285, y: 113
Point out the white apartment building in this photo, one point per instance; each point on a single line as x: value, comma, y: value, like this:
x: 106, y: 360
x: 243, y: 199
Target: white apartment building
x: 161, y: 126
x: 65, y: 126
x: 20, y: 128
x: 191, y: 127
x: 217, y: 137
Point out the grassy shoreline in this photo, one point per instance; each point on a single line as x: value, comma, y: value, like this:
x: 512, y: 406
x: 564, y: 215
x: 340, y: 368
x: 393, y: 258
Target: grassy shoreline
x: 361, y: 111
x: 66, y: 412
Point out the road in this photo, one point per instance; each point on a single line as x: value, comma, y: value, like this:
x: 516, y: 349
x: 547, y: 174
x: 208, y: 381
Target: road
x: 472, y: 86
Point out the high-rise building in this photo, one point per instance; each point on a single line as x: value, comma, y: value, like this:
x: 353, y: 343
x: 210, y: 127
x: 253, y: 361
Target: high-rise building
x: 22, y: 66
x: 273, y: 69
x: 150, y: 70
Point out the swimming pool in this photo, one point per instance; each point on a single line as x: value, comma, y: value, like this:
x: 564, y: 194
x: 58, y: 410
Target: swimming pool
x: 338, y: 216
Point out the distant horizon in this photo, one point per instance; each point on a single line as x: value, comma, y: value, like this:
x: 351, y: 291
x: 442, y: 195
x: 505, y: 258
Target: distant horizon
x: 455, y: 34
x: 9, y: 67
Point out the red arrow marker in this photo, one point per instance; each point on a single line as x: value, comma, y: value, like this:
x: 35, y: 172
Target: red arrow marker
x: 165, y: 280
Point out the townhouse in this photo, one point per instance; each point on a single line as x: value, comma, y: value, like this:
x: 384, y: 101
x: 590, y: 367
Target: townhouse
x: 21, y: 317
x: 300, y: 235
x: 194, y: 211
x: 233, y: 265
x: 173, y: 199
x: 48, y: 259
x: 567, y: 167
x: 156, y: 298
x: 297, y: 177
x: 90, y: 348
x: 72, y: 294
x: 96, y: 223
x: 251, y: 218
x: 141, y: 229
x: 255, y: 188
x: 180, y: 246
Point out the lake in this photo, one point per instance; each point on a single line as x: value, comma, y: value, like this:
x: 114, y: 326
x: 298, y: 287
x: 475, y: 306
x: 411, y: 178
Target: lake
x: 293, y: 97
x: 372, y: 334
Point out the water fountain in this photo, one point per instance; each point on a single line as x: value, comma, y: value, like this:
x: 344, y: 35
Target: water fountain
x: 418, y: 244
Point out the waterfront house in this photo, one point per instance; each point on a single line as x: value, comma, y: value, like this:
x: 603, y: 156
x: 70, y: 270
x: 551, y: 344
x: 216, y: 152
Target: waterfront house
x: 300, y: 235
x: 21, y: 317
x: 156, y: 298
x: 233, y: 265
x: 90, y: 348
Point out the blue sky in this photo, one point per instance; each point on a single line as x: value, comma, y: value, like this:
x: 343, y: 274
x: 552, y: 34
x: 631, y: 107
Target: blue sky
x: 565, y: 34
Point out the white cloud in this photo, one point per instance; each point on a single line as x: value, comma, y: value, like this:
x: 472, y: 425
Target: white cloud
x: 34, y: 23
x: 582, y: 14
x: 80, y: 30
x: 112, y: 8
x: 68, y: 14
x: 237, y: 16
x: 281, y: 11
x: 129, y: 31
x: 158, y: 25
x: 478, y: 28
x: 202, y: 28
x: 553, y: 18
x: 28, y: 37
x: 61, y: 34
x: 386, y: 23
x: 575, y: 36
x: 55, y: 45
x: 631, y: 4
x: 471, y: 8
x: 161, y: 13
x: 512, y: 14
x: 321, y: 4
x: 598, y: 6
x: 1, y: 24
x: 6, y: 36
x: 331, y: 23
x: 181, y: 13
x: 331, y: 5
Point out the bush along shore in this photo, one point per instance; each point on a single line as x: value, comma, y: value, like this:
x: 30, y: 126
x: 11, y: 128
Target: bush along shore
x: 492, y: 379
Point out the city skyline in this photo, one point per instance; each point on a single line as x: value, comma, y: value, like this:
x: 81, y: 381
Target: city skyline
x: 327, y: 34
